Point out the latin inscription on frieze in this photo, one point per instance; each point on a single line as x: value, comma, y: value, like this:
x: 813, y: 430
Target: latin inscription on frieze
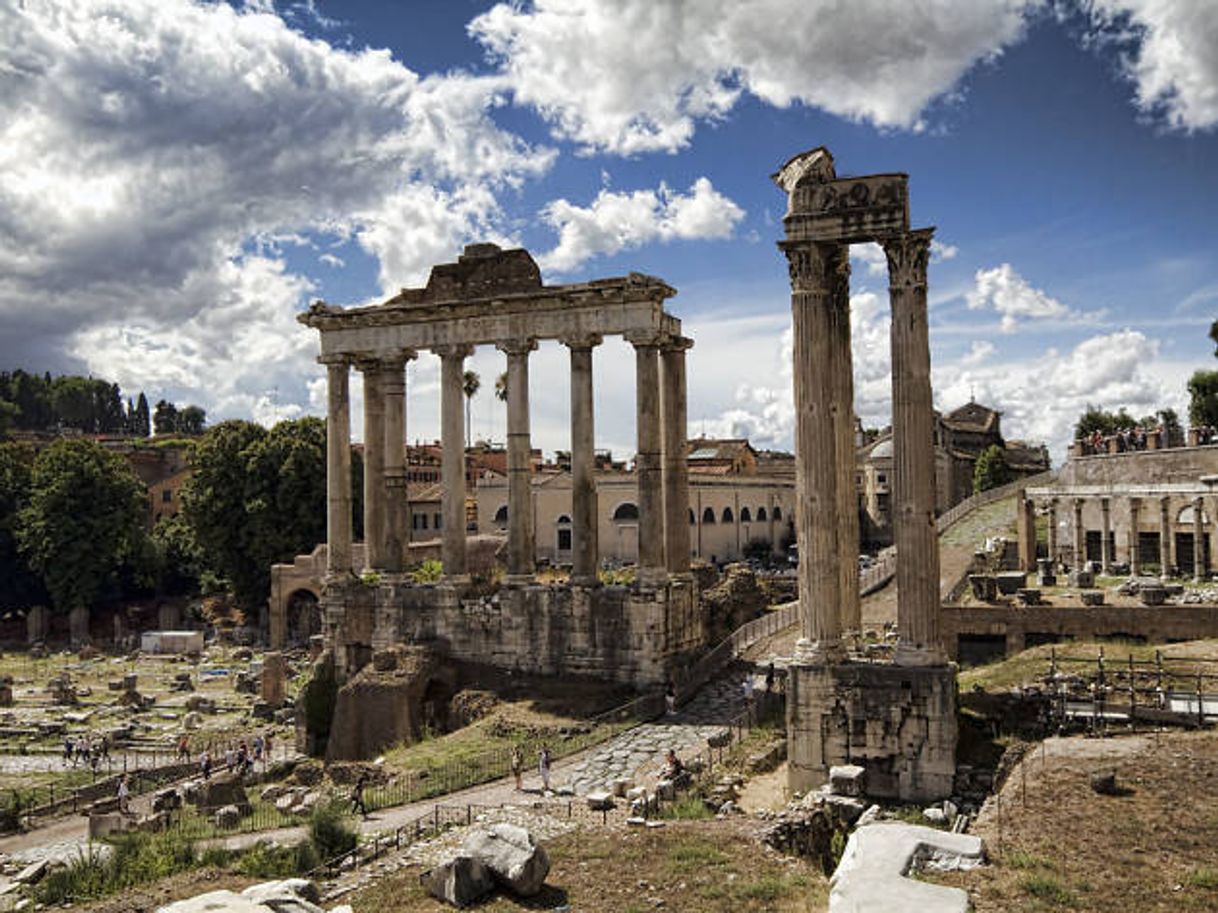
x: 849, y: 209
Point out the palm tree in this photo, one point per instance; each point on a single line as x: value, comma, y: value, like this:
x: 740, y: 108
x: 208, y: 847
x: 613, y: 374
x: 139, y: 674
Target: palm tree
x: 501, y: 387
x: 470, y: 383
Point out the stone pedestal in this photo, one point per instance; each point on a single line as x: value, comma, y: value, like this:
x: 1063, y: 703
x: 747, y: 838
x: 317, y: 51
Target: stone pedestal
x: 274, y: 678
x: 898, y: 722
x: 169, y: 617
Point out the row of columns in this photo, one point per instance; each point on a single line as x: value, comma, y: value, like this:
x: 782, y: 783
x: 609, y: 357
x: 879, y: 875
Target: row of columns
x: 1107, y: 558
x: 660, y: 465
x: 827, y: 518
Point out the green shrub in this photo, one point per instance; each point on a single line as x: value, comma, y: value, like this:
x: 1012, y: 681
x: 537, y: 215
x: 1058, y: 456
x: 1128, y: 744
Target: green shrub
x: 1049, y: 889
x: 330, y: 830
x: 135, y: 859
x: 430, y: 571
x: 686, y: 807
x: 270, y: 861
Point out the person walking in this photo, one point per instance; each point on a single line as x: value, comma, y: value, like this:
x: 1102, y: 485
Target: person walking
x: 670, y: 698
x: 357, y: 795
x: 543, y: 767
x: 124, y: 796
x: 518, y: 767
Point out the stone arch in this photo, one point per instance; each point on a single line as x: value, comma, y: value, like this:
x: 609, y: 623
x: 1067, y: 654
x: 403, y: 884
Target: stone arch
x: 745, y: 516
x: 1186, y: 517
x: 435, y: 705
x: 708, y: 515
x: 727, y: 515
x: 303, y: 616
x: 501, y: 516
x: 777, y: 512
x: 562, y: 533
x: 761, y: 515
x: 626, y: 512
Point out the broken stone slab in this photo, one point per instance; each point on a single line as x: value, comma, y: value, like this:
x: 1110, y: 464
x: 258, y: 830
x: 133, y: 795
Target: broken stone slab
x: 621, y: 786
x: 1082, y: 580
x: 514, y: 857
x: 1104, y: 782
x: 460, y: 881
x: 1092, y: 597
x: 33, y: 872
x: 273, y: 892
x: 847, y: 779
x: 599, y: 800
x: 1152, y: 595
x: 228, y: 816
x: 873, y: 875
x: 218, y: 902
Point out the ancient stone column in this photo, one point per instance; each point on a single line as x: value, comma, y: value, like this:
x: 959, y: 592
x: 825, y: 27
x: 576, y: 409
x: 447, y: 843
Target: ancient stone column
x: 1165, y: 550
x: 584, y: 518
x: 1052, y: 530
x: 1080, y: 537
x: 913, y: 447
x: 842, y: 411
x: 338, y: 466
x: 374, y: 465
x: 397, y: 512
x: 522, y: 547
x: 651, y: 567
x: 1198, y: 542
x: 1135, y: 559
x: 1105, y: 534
x: 676, y: 470
x: 452, y: 460
x: 816, y: 521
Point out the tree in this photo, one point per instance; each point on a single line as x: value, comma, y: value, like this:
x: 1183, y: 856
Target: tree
x: 180, y: 565
x: 143, y: 421
x: 84, y: 518
x: 1203, y: 398
x: 1106, y: 423
x: 470, y: 384
x: 991, y: 469
x: 191, y: 420
x: 256, y: 497
x: 1214, y: 336
x: 165, y: 418
x: 501, y: 387
x: 18, y: 584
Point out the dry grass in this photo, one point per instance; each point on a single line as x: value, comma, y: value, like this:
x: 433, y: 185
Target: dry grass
x: 1155, y: 848
x: 691, y: 867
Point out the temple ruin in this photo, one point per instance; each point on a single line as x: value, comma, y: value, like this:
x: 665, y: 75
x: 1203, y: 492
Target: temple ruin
x: 896, y: 719
x: 638, y: 634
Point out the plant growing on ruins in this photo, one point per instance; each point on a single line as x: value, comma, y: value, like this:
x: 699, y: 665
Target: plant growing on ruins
x: 430, y: 571
x: 330, y: 829
x: 370, y: 578
x: 991, y: 469
x: 83, y: 519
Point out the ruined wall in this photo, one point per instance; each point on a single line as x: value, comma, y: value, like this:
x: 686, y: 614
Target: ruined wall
x: 1177, y: 465
x: 622, y: 634
x: 1154, y: 624
x: 897, y: 722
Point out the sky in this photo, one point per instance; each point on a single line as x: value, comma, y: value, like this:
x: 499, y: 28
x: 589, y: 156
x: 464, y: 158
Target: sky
x: 179, y: 179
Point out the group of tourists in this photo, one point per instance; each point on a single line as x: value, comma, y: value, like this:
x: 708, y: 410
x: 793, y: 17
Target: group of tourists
x: 240, y: 756
x: 544, y: 762
x: 87, y: 750
x: 1127, y: 440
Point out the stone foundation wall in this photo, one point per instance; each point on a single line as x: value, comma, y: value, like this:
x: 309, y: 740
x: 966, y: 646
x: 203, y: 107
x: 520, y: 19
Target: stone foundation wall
x: 897, y: 722
x: 1177, y: 465
x: 623, y: 634
x: 1154, y: 624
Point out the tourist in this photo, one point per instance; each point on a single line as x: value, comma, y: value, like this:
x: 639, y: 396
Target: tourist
x: 670, y: 697
x: 748, y: 688
x: 673, y: 768
x: 357, y: 795
x: 68, y: 748
x: 184, y: 748
x: 267, y: 745
x: 205, y: 764
x: 543, y: 767
x: 257, y: 748
x: 518, y: 767
x: 769, y: 679
x: 124, y: 796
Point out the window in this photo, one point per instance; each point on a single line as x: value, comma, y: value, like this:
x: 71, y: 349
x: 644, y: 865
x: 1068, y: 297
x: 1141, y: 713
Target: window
x: 626, y: 511
x: 708, y: 515
x: 501, y: 516
x: 777, y: 512
x: 745, y: 516
x: 882, y: 502
x: 727, y: 515
x: 564, y: 539
x: 761, y: 515
x: 882, y: 478
x: 166, y: 496
x: 438, y: 521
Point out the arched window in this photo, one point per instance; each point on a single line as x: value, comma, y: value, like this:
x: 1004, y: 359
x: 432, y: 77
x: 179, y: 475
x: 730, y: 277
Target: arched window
x: 501, y: 516
x: 563, y: 534
x: 727, y: 515
x: 564, y: 519
x: 626, y: 511
x: 692, y: 517
x: 761, y: 515
x: 708, y: 515
x: 777, y: 512
x: 745, y: 516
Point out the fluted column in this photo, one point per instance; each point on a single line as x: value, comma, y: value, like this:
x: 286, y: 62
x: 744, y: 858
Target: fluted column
x: 1080, y: 537
x: 1105, y: 536
x: 676, y: 470
x: 338, y: 466
x: 1198, y: 542
x: 397, y: 511
x: 651, y: 568
x: 584, y: 519
x: 1165, y: 544
x: 374, y: 465
x: 452, y: 462
x: 913, y: 419
x: 842, y: 410
x: 1052, y: 530
x: 816, y: 521
x: 522, y: 547
x: 1135, y: 558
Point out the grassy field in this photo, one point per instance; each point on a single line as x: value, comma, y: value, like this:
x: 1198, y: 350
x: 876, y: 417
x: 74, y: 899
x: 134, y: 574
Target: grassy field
x: 694, y: 866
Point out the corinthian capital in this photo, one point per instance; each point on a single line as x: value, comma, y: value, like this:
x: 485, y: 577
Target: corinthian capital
x: 908, y: 256
x: 807, y: 264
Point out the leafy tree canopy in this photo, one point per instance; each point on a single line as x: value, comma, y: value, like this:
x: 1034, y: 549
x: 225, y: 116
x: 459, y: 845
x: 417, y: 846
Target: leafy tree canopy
x: 1097, y: 419
x: 991, y: 469
x: 18, y: 584
x: 1203, y: 398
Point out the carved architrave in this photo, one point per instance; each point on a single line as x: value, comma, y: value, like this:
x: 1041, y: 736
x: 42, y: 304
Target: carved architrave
x: 908, y: 257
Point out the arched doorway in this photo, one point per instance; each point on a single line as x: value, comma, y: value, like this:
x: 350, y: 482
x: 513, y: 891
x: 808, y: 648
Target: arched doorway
x: 304, y: 618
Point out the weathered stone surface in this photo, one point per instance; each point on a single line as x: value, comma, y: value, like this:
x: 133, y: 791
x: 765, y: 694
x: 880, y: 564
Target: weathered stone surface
x: 228, y: 816
x: 847, y: 779
x: 516, y: 860
x: 599, y: 800
x: 222, y: 789
x: 460, y: 881
x: 1104, y: 782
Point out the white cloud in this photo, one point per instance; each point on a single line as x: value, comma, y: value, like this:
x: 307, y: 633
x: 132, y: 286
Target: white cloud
x: 154, y: 155
x: 633, y: 76
x: 979, y: 352
x: 620, y: 221
x: 1003, y: 290
x: 1173, y: 61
